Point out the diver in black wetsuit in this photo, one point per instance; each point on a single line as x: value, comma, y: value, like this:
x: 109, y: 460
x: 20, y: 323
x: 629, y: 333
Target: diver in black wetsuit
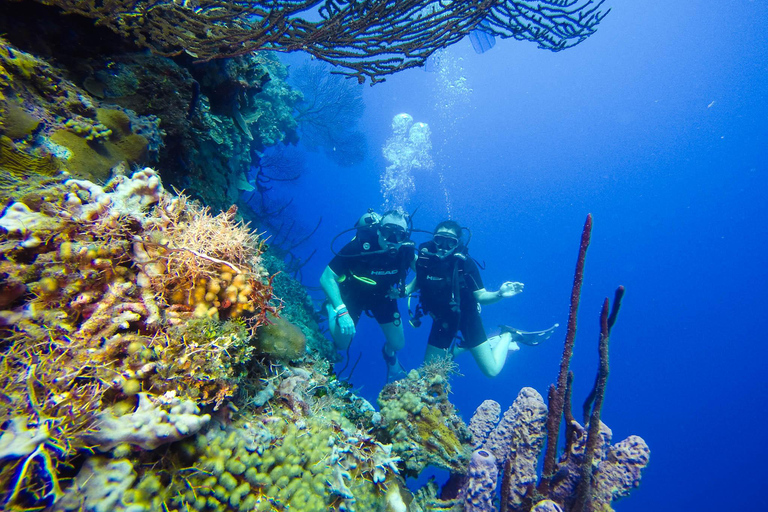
x: 452, y: 292
x: 368, y: 274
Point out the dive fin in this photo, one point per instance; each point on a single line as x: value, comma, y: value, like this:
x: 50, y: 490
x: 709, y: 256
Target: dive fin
x: 531, y: 338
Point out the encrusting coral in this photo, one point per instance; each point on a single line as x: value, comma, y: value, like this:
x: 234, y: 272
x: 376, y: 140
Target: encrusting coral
x: 45, y: 115
x: 422, y: 422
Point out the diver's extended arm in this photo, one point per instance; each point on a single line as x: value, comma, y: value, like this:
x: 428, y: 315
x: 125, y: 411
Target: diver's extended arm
x: 329, y: 282
x: 508, y: 289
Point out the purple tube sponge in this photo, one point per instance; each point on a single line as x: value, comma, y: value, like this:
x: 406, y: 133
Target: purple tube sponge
x: 521, y: 427
x: 620, y: 471
x: 617, y: 468
x: 481, y: 486
x: 527, y: 416
x: 483, y: 422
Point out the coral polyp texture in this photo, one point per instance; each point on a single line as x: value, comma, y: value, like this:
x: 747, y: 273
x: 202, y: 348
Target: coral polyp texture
x: 125, y: 308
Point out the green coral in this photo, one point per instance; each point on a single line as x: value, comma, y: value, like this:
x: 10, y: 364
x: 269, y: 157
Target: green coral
x: 272, y: 462
x: 281, y: 339
x: 96, y: 147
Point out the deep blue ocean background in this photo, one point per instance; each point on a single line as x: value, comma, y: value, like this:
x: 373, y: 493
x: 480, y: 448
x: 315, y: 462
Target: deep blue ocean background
x: 658, y: 126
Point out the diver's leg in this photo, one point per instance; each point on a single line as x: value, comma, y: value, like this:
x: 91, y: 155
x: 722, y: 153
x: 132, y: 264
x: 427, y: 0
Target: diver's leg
x: 439, y: 341
x: 394, y: 336
x: 388, y: 316
x: 491, y: 359
x: 499, y: 338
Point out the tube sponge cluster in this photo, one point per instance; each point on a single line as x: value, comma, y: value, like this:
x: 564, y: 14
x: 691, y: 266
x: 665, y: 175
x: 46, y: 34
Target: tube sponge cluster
x: 516, y: 441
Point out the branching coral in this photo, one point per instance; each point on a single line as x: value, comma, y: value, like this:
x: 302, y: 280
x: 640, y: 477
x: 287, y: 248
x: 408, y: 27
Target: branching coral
x: 329, y: 112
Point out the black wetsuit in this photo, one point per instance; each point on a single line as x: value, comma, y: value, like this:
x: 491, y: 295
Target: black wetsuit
x: 447, y: 294
x: 367, y: 276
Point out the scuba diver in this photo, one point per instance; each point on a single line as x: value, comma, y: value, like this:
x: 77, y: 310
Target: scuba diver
x: 368, y: 274
x: 452, y: 292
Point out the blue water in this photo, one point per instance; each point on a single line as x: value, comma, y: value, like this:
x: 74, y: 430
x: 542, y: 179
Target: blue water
x: 658, y: 126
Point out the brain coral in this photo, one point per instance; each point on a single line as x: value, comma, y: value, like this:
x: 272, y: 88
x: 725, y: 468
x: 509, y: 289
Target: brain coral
x: 281, y: 339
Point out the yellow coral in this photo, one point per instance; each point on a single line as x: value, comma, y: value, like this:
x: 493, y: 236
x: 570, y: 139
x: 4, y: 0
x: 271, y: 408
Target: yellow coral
x: 98, y: 147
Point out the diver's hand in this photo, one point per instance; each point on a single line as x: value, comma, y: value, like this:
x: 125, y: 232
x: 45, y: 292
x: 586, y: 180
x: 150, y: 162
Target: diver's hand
x: 510, y: 289
x: 346, y: 324
x: 394, y: 293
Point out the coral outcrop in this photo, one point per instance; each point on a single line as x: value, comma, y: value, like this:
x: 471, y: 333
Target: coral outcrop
x: 423, y: 424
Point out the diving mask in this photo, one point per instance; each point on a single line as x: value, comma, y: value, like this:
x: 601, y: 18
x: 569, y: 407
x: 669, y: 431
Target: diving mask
x: 445, y: 242
x: 393, y: 233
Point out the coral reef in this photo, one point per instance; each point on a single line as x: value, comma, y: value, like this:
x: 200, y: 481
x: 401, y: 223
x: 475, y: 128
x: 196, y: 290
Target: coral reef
x: 103, y: 283
x: 423, y: 425
x: 306, y: 463
x: 278, y: 459
x: 45, y: 115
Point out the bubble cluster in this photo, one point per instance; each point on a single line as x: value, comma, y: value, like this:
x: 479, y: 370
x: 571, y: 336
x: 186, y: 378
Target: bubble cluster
x: 452, y: 102
x: 408, y: 148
